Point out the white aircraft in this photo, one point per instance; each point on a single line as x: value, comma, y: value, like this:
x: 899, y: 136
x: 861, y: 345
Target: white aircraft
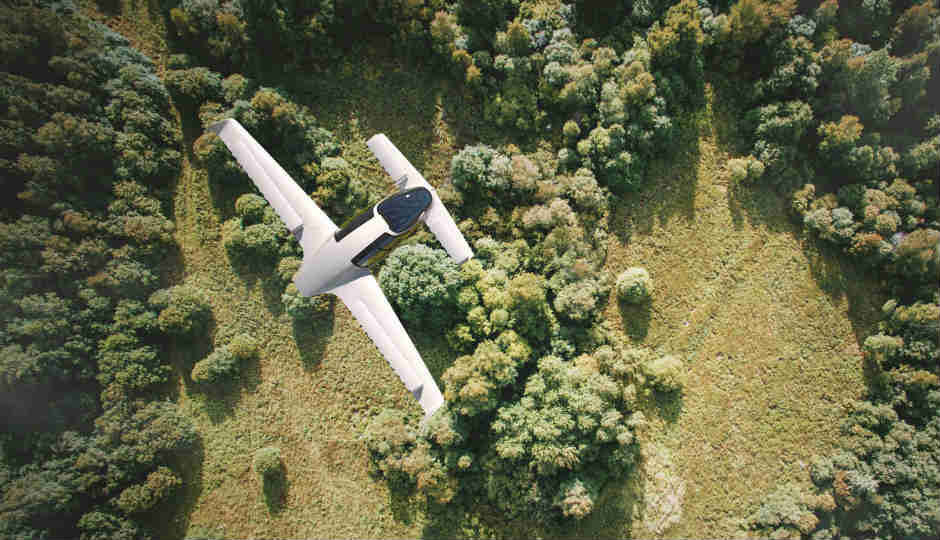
x: 336, y: 260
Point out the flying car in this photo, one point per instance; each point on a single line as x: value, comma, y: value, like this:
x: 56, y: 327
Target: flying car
x: 337, y: 260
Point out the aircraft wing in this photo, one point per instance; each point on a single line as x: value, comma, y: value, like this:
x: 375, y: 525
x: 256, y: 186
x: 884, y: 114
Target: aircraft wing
x: 296, y: 209
x: 437, y: 218
x: 369, y: 306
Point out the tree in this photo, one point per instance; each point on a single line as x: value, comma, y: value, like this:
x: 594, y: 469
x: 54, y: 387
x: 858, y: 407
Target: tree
x: 860, y: 81
x: 665, y: 373
x: 481, y: 18
x: 184, y: 310
x: 267, y: 461
x: 250, y: 207
x: 676, y: 49
x: 480, y: 168
x: 473, y: 384
x: 562, y: 406
x: 194, y: 86
x: 253, y: 247
x: 140, y: 498
x: 87, y: 134
x: 918, y: 255
x: 104, y: 526
x: 579, y: 300
x: 634, y: 285
x: 220, y: 366
x: 422, y: 284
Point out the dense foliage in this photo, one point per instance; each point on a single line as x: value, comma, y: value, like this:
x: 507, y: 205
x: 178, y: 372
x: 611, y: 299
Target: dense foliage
x: 847, y: 109
x: 839, y: 112
x: 229, y: 34
x: 544, y: 387
x: 613, y: 100
x: 88, y: 146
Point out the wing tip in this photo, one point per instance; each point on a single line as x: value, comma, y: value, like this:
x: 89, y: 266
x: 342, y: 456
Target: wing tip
x: 219, y: 126
x: 375, y: 139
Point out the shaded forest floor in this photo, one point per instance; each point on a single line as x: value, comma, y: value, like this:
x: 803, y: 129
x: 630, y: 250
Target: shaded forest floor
x: 767, y: 322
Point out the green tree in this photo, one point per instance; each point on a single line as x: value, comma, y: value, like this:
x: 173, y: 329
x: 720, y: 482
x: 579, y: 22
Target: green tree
x: 634, y: 285
x: 474, y: 383
x: 422, y: 284
x: 267, y: 461
x: 184, y: 310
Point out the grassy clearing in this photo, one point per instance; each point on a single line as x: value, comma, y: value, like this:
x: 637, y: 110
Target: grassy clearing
x: 313, y: 389
x: 767, y: 322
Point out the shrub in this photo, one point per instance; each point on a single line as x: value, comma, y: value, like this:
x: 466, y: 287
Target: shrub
x: 267, y: 462
x: 665, y: 373
x: 634, y: 285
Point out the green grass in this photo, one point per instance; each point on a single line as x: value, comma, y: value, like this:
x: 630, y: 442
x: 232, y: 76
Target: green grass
x: 767, y: 322
x: 768, y: 325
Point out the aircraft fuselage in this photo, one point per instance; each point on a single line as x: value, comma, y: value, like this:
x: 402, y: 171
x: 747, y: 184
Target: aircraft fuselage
x: 347, y: 254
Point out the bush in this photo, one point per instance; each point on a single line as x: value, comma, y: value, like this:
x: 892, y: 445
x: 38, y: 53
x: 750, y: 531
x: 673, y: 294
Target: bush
x: 634, y: 285
x: 267, y: 462
x: 665, y: 373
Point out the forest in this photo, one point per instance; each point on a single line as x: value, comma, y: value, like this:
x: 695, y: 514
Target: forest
x: 704, y: 301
